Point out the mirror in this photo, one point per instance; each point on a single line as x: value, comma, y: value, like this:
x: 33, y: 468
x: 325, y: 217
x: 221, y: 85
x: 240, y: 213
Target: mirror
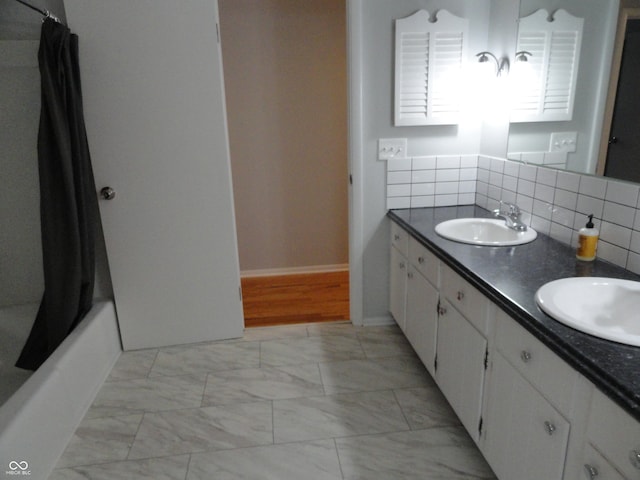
x: 575, y: 143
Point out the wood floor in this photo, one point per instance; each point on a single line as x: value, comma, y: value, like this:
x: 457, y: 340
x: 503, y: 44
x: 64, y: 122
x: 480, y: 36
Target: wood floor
x: 299, y: 298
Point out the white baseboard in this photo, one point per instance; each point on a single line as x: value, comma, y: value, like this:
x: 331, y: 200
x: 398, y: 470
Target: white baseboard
x: 378, y: 321
x: 272, y: 272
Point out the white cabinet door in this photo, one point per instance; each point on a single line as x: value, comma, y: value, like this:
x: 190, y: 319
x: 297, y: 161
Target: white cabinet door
x: 156, y: 121
x: 596, y: 467
x: 615, y: 434
x: 525, y: 438
x: 398, y: 287
x: 460, y: 370
x: 422, y: 317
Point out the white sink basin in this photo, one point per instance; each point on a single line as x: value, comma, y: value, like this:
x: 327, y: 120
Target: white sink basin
x: 608, y: 308
x: 484, y: 231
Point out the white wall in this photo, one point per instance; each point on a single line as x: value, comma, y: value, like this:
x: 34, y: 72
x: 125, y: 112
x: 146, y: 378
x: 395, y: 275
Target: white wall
x: 376, y: 102
x: 21, y: 277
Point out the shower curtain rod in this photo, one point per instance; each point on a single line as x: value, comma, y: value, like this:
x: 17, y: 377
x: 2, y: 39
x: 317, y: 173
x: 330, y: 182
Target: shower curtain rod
x: 45, y: 13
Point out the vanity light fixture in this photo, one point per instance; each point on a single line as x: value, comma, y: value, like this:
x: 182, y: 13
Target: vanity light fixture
x: 521, y: 56
x: 502, y: 65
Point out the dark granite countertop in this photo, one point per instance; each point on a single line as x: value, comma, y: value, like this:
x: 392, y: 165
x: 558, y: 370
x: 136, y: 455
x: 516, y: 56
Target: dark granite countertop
x: 510, y: 276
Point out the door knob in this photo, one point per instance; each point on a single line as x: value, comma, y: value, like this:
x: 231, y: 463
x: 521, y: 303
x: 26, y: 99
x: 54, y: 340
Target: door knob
x: 107, y: 193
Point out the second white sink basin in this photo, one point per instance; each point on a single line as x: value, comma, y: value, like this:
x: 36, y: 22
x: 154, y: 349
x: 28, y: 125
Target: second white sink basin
x: 608, y: 308
x: 484, y: 231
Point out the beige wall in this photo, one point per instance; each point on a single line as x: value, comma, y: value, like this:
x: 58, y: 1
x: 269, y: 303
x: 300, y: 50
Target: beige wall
x: 285, y: 76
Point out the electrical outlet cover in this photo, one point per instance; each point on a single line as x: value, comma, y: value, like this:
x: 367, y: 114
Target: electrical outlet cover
x: 563, y: 142
x: 389, y: 148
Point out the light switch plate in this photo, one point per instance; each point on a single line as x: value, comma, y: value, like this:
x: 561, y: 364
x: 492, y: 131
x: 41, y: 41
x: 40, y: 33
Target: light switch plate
x: 563, y: 142
x: 389, y: 148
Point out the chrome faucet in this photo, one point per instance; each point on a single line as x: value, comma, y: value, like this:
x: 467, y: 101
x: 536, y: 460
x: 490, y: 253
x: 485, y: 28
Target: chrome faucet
x: 511, y: 214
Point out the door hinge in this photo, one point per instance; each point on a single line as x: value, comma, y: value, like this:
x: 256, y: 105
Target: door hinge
x: 240, y: 292
x: 480, y: 427
x: 350, y: 179
x: 486, y: 358
x: 218, y: 32
x: 435, y: 363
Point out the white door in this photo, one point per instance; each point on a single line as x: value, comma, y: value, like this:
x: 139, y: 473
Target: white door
x: 156, y: 121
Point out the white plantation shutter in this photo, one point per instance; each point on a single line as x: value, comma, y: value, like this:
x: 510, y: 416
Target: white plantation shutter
x: 547, y: 93
x: 428, y: 68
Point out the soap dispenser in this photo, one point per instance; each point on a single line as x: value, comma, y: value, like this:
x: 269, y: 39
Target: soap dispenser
x: 587, y: 241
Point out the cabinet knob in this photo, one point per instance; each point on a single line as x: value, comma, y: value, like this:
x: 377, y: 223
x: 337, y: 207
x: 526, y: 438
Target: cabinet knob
x: 549, y: 427
x: 460, y: 295
x: 442, y: 311
x: 410, y: 275
x: 592, y: 472
x: 107, y: 193
x: 396, y: 237
x: 525, y: 356
x: 421, y: 260
x: 634, y: 458
x: 401, y: 265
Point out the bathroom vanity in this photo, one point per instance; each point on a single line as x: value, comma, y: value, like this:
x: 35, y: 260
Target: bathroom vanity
x: 541, y: 400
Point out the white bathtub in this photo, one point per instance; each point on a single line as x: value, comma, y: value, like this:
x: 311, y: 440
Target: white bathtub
x: 38, y: 420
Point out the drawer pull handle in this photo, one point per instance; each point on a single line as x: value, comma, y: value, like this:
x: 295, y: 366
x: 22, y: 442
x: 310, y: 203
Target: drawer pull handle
x: 401, y: 265
x: 549, y: 427
x: 396, y: 237
x: 525, y: 356
x: 460, y: 295
x: 410, y: 275
x: 592, y: 472
x: 420, y: 260
x: 634, y: 458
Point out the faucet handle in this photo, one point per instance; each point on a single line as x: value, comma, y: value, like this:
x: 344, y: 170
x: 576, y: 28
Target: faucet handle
x: 513, y: 209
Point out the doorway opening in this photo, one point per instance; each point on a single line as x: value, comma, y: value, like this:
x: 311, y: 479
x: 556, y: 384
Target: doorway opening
x: 286, y: 97
x: 620, y: 145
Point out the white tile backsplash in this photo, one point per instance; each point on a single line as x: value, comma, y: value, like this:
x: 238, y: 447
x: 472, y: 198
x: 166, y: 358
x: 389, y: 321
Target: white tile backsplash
x: 554, y: 202
x: 619, y: 214
x: 565, y: 199
x: 424, y: 163
x: 623, y: 193
x: 526, y: 187
x: 399, y: 164
x: 398, y: 177
x: 448, y: 175
x: 423, y: 176
x: 568, y: 181
x: 547, y: 176
x: 615, y: 234
x: 593, y: 186
x: 544, y: 193
x: 421, y: 189
x: 448, y: 162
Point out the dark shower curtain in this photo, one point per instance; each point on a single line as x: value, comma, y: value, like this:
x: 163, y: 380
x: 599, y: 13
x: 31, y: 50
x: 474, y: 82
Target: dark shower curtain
x: 68, y: 201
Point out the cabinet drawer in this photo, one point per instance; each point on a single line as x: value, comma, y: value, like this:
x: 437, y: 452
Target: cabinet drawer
x: 424, y: 261
x: 400, y: 238
x: 596, y: 467
x: 465, y: 298
x: 615, y: 434
x: 525, y: 437
x: 543, y: 368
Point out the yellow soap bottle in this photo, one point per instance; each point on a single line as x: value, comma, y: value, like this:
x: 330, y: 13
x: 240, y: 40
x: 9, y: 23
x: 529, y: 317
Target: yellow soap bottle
x: 587, y: 241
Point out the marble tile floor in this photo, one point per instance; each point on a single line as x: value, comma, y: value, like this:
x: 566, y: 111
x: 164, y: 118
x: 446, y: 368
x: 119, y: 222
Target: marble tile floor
x: 317, y: 401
